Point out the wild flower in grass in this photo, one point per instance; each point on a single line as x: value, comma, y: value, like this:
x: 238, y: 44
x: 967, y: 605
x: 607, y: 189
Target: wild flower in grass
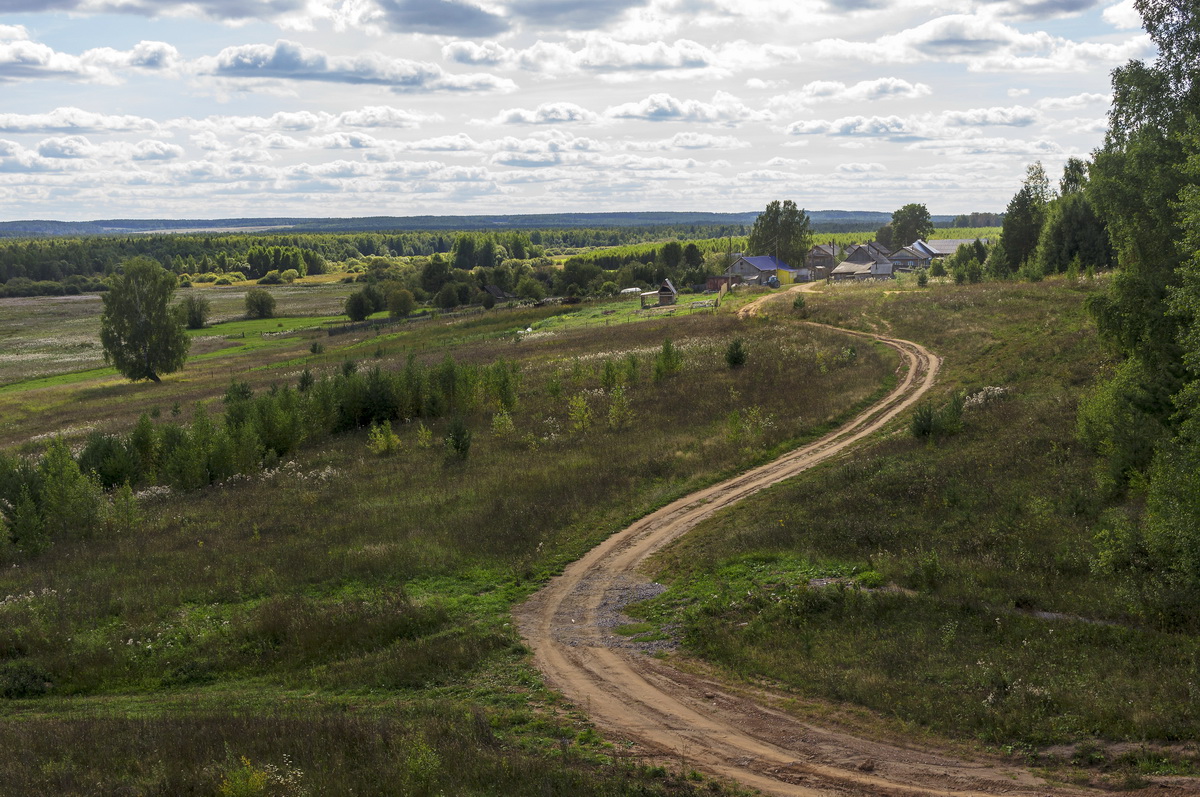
x: 153, y: 492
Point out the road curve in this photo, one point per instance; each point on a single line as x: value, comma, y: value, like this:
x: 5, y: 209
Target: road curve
x: 699, y: 723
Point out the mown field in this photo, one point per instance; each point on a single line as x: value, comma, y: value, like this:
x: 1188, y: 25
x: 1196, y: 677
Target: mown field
x: 962, y: 599
x: 339, y: 622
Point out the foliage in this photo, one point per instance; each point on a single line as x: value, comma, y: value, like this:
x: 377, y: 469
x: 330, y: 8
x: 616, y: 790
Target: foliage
x: 358, y: 306
x: 735, y: 353
x: 195, y: 311
x: 928, y: 421
x: 141, y: 334
x: 579, y: 413
x: 381, y: 440
x: 260, y: 303
x: 668, y: 361
x: 400, y: 303
x: 458, y: 438
x: 782, y: 230
x: 910, y: 223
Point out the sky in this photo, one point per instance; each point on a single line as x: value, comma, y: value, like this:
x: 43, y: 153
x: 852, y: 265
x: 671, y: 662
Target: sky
x: 324, y: 108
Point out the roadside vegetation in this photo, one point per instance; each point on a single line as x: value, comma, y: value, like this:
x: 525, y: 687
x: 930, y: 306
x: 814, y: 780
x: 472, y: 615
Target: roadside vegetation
x: 357, y: 579
x: 950, y: 579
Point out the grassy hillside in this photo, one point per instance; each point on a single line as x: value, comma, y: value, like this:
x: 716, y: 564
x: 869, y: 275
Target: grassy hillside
x: 340, y: 620
x: 961, y: 594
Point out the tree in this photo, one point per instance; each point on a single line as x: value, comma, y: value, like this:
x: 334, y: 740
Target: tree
x: 910, y: 223
x: 400, y: 303
x: 1019, y: 235
x: 782, y: 230
x: 195, y: 311
x: 259, y: 304
x: 141, y: 333
x: 357, y: 306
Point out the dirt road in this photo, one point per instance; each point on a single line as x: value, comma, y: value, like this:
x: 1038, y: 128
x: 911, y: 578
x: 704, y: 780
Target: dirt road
x: 698, y: 722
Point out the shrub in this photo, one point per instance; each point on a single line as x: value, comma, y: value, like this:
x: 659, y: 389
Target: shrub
x: 928, y: 421
x: 579, y: 413
x: 424, y: 436
x: 619, y: 413
x: 800, y: 305
x: 381, y: 440
x: 272, y: 277
x: 400, y: 303
x: 458, y: 438
x: 306, y: 381
x: 290, y: 276
x: 317, y: 347
x: 502, y: 424
x: 357, y: 306
x: 735, y: 354
x: 195, y: 310
x: 922, y: 278
x: 668, y: 361
x: 259, y: 304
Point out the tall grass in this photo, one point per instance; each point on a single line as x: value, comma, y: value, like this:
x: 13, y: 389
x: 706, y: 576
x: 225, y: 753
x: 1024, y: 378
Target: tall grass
x: 351, y: 578
x: 1000, y: 628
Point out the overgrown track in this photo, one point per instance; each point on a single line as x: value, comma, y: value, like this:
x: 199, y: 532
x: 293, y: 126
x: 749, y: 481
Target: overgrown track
x: 698, y: 722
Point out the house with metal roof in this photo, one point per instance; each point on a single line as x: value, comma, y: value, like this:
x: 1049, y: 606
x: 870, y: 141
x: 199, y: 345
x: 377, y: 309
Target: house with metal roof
x: 943, y: 247
x: 760, y: 269
x: 865, y: 261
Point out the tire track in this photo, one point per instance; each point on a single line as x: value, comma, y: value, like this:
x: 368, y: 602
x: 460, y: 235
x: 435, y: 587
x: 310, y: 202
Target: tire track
x: 699, y: 722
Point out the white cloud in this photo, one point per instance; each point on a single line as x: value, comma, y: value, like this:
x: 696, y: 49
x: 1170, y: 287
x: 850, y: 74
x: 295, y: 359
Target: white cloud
x: 1123, y: 16
x: 861, y: 168
x: 1072, y: 103
x: 822, y: 92
x: 985, y: 45
x: 286, y: 60
x: 548, y: 113
x: 690, y: 140
x: 73, y: 120
x: 725, y: 109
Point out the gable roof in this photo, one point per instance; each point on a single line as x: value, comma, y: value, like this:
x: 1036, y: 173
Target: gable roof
x: 764, y: 262
x: 944, y: 247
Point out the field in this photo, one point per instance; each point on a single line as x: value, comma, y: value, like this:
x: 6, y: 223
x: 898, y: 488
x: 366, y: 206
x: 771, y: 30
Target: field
x: 341, y: 620
x: 945, y: 583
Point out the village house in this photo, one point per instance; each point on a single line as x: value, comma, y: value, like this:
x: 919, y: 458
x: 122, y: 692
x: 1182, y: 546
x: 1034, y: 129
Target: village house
x: 822, y: 259
x: 865, y: 261
x: 762, y: 269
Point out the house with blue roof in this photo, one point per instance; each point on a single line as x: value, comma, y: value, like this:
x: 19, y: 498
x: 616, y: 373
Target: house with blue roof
x: 761, y: 269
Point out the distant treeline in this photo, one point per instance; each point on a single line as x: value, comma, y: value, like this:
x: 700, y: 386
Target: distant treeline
x: 58, y: 259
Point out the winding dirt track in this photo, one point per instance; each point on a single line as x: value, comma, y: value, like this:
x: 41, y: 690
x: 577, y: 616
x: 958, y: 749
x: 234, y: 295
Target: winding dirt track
x: 700, y: 723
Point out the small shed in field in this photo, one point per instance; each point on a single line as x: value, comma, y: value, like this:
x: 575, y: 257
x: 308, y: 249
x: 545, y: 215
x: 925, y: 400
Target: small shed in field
x: 665, y: 296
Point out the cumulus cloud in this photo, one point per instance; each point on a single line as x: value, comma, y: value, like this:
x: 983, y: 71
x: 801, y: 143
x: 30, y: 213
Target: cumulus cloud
x: 616, y: 59
x: 821, y: 92
x: 548, y: 113
x: 1041, y: 9
x: 443, y: 17
x: 286, y: 60
x: 725, y: 109
x: 23, y: 59
x: 861, y: 168
x: 1014, y: 116
x: 690, y: 140
x: 985, y: 45
x: 73, y: 120
x: 80, y: 147
x: 948, y: 124
x: 1072, y: 103
x: 1123, y: 16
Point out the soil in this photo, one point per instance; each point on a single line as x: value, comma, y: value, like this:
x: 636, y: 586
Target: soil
x: 697, y: 722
